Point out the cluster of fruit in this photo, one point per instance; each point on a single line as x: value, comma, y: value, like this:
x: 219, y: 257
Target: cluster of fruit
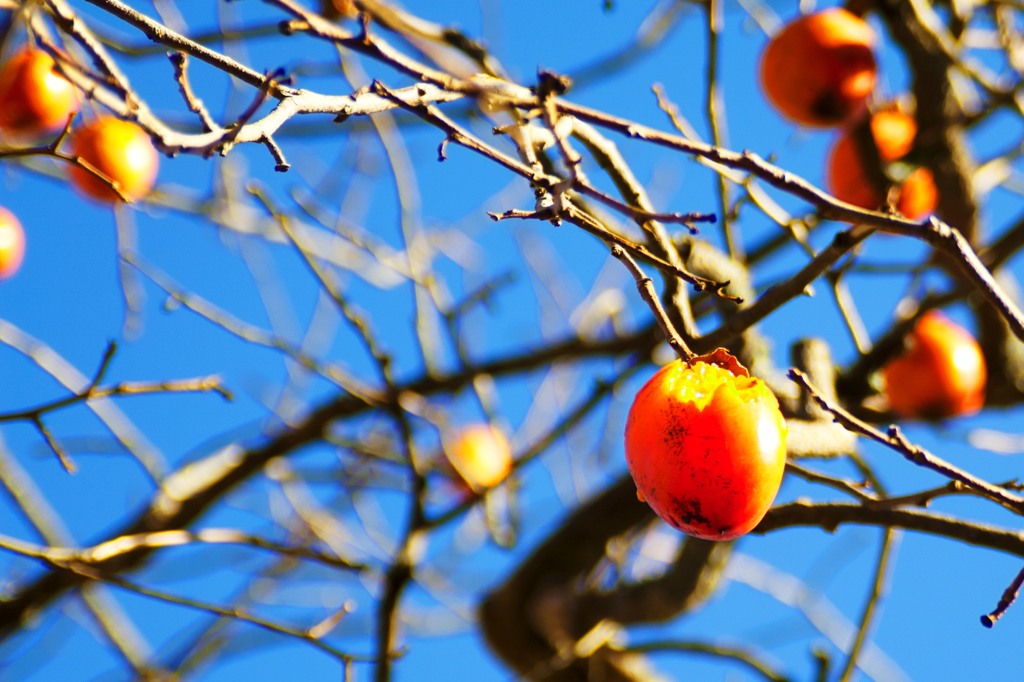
x: 705, y: 442
x: 38, y: 101
x: 820, y: 71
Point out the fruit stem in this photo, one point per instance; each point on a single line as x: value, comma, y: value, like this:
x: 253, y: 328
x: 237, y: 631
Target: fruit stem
x: 645, y: 286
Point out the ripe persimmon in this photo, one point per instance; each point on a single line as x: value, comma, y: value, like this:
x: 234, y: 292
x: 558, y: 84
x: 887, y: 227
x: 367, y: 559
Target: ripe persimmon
x: 819, y: 70
x: 35, y: 98
x: 122, y: 151
x: 337, y: 9
x: 893, y: 131
x: 941, y: 373
x: 481, y: 455
x: 706, y: 446
x: 12, y: 244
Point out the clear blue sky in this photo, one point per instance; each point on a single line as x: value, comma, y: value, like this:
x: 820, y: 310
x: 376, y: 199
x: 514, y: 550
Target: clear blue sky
x: 785, y: 593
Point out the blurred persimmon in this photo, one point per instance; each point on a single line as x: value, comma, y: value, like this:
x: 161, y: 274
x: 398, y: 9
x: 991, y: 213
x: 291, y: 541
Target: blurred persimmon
x: 846, y: 175
x: 819, y: 70
x: 12, y: 244
x: 120, y: 150
x: 481, y: 455
x: 942, y: 372
x: 34, y: 98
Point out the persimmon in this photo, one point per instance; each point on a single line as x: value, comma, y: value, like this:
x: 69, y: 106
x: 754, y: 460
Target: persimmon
x: 941, y: 373
x: 481, y: 455
x: 819, y: 70
x: 12, y: 244
x: 35, y: 98
x: 120, y: 150
x: 337, y: 9
x: 846, y: 176
x: 706, y: 446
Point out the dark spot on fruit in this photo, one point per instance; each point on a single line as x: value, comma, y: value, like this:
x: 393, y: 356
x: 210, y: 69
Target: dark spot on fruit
x: 688, y: 513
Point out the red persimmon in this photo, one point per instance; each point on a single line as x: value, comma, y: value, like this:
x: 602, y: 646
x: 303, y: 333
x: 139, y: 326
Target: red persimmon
x: 893, y: 131
x: 942, y: 373
x: 820, y: 68
x: 706, y: 446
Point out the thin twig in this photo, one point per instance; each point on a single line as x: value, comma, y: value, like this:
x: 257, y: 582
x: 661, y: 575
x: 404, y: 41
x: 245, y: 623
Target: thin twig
x: 179, y: 61
x: 233, y: 612
x: 895, y: 440
x: 584, y: 220
x: 1005, y: 602
x: 878, y: 587
x: 645, y: 286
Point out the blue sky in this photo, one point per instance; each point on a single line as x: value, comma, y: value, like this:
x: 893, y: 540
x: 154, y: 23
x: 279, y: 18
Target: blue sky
x: 785, y: 593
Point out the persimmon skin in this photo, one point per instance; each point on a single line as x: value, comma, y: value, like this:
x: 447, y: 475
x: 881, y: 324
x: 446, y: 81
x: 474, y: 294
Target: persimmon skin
x: 122, y: 151
x: 941, y: 374
x: 819, y: 70
x: 35, y: 98
x: 706, y: 447
x: 12, y: 244
x: 846, y: 178
x: 338, y: 9
x: 481, y: 455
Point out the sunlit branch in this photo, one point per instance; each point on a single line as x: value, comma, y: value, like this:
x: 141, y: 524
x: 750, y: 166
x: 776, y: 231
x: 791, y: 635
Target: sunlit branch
x: 895, y: 440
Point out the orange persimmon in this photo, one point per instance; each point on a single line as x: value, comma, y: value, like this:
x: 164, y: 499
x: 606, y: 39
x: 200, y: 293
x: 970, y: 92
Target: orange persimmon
x: 941, y: 373
x: 481, y: 455
x: 122, y: 151
x: 820, y: 68
x: 34, y: 98
x: 893, y: 132
x: 337, y: 9
x: 12, y: 244
x: 706, y: 446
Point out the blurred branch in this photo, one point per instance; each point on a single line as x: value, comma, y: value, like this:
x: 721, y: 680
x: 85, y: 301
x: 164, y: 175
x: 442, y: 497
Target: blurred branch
x: 53, y: 364
x: 189, y: 492
x: 772, y: 299
x: 233, y: 612
x: 247, y: 332
x: 879, y: 585
x: 740, y: 655
x: 31, y: 503
x: 68, y: 557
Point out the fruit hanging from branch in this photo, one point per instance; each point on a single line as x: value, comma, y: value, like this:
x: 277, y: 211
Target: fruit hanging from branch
x: 941, y: 374
x: 912, y: 189
x: 819, y: 70
x: 35, y: 98
x: 121, y: 151
x: 706, y: 446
